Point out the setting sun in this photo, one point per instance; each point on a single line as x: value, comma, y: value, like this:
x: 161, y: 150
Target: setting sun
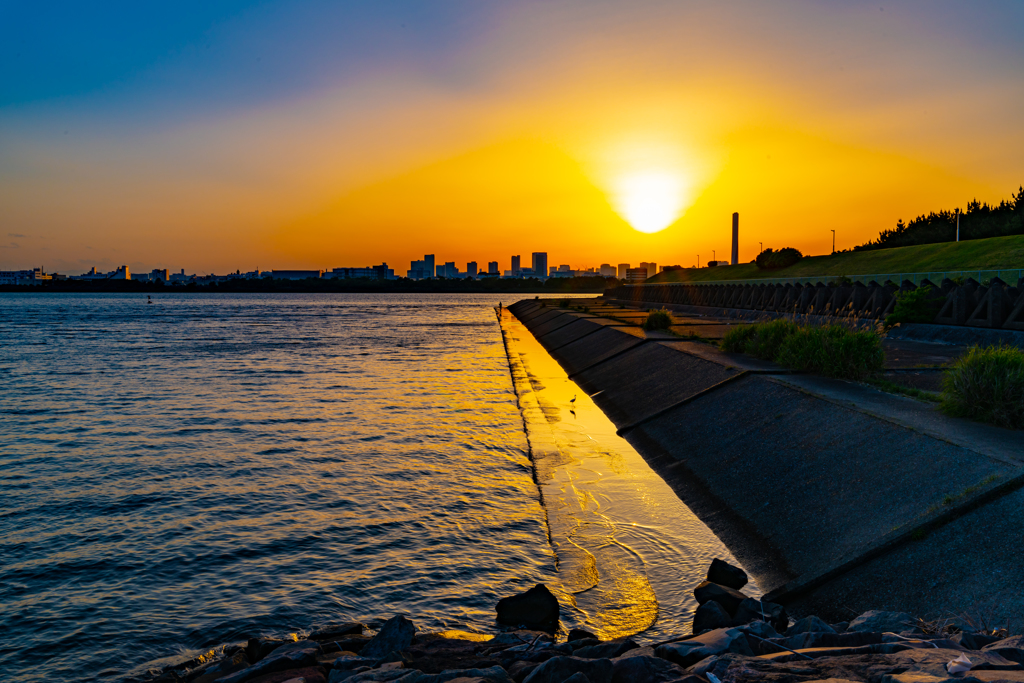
x: 650, y: 201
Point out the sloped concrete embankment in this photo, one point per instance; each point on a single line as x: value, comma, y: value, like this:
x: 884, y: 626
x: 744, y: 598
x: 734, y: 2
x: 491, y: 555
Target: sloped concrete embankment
x: 836, y: 497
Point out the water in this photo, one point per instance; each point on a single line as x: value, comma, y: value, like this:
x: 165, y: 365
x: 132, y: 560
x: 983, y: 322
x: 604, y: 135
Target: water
x: 203, y: 469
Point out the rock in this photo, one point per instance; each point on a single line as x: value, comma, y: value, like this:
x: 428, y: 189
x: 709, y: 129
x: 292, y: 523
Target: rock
x: 646, y: 651
x: 882, y: 622
x: 335, y: 631
x: 1011, y: 648
x: 754, y: 610
x: 434, y: 653
x: 812, y: 639
x: 585, y: 642
x: 345, y: 661
x: 353, y: 643
x: 709, y: 616
x: 537, y: 608
x: 377, y: 676
x: 313, y: 674
x: 557, y: 669
x: 213, y: 670
x: 520, y: 637
x: 493, y: 674
x: 648, y: 669
x: 258, y: 648
x: 724, y: 574
x: 339, y: 675
x: 729, y: 598
x: 608, y: 650
x: 719, y: 641
x: 395, y: 635
x: 296, y: 655
x: 841, y: 626
x: 761, y: 629
x: 520, y: 670
x: 579, y: 634
x: 809, y: 625
x: 577, y: 678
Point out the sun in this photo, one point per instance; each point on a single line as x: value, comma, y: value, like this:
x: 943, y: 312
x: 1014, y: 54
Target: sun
x: 651, y: 200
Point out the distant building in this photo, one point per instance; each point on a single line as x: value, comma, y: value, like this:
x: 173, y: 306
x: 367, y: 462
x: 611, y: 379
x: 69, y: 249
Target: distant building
x: 492, y: 268
x: 121, y: 273
x: 636, y: 274
x: 540, y: 263
x: 299, y: 274
x: 381, y: 272
x: 623, y: 267
x: 448, y: 270
x: 471, y: 269
x: 652, y: 268
x: 421, y: 270
x: 607, y: 270
x: 34, y: 276
x: 516, y: 265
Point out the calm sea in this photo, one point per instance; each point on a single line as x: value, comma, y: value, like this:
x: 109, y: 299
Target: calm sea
x: 206, y: 468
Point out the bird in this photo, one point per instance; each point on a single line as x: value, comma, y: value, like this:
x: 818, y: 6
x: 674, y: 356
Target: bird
x: 573, y: 400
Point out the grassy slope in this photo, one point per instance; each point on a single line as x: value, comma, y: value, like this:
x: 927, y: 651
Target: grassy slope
x: 987, y: 254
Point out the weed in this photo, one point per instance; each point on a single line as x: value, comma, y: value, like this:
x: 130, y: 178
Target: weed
x: 563, y: 303
x: 658, y: 320
x: 987, y: 384
x: 893, y: 388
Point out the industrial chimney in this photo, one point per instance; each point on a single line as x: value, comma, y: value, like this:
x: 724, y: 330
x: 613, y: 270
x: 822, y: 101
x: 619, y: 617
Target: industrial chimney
x: 735, y: 239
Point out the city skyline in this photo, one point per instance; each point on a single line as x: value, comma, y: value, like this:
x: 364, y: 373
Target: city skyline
x: 303, y: 135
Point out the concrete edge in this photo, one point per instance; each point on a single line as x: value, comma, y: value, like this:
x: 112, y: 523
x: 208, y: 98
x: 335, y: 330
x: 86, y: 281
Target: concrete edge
x: 896, y: 538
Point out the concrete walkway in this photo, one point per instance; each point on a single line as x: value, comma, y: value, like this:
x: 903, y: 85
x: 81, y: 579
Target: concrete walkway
x: 831, y: 493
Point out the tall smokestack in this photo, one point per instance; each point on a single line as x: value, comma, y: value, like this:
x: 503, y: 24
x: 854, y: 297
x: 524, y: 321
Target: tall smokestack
x: 735, y: 239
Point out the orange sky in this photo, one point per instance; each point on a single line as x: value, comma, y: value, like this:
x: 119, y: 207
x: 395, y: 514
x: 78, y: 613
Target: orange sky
x: 533, y: 130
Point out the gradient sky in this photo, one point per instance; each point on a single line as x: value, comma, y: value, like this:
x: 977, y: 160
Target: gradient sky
x: 217, y: 136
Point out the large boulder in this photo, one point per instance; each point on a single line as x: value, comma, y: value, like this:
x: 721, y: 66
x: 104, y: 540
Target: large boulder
x: 295, y: 655
x: 557, y: 669
x: 537, y: 608
x: 492, y: 674
x: 648, y: 669
x: 709, y: 616
x: 878, y: 621
x: 211, y: 671
x: 688, y: 652
x: 810, y: 624
x: 729, y: 598
x: 394, y: 636
x: 725, y: 574
x: 310, y: 674
x: 579, y: 634
x: 1011, y: 648
x: 755, y: 610
x: 332, y: 632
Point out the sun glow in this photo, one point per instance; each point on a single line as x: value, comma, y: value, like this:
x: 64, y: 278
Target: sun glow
x: 651, y: 201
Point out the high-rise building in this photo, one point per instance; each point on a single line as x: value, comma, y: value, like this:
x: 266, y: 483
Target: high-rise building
x: 418, y: 270
x: 540, y: 263
x: 623, y: 267
x: 492, y: 268
x: 471, y: 269
x: 516, y: 265
x: 636, y: 274
x: 428, y: 264
x: 607, y: 270
x: 652, y: 268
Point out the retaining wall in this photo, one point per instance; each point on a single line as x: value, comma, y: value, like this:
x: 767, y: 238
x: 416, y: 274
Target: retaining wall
x: 994, y: 305
x: 819, y: 487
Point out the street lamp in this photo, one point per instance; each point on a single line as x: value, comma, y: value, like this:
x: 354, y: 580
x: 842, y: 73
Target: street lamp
x: 958, y: 224
x: 762, y: 247
x: 833, y: 241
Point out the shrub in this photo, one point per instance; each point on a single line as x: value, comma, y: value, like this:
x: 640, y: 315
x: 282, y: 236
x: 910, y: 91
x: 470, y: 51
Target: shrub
x: 658, y: 320
x: 783, y: 258
x: 916, y: 306
x: 831, y: 350
x: 563, y: 303
x: 987, y: 384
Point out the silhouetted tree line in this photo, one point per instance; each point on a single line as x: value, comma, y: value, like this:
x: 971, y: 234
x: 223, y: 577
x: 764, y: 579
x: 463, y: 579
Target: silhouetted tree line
x: 978, y: 221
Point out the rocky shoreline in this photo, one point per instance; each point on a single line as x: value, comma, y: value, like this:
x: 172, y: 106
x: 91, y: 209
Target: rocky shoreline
x: 735, y: 639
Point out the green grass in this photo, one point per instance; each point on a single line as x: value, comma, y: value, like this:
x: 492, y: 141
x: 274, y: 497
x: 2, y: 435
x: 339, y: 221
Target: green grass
x: 987, y: 384
x: 987, y: 254
x: 894, y: 388
x: 830, y: 350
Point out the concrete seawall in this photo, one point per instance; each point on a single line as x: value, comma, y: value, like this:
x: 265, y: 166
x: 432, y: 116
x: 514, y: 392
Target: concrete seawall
x: 835, y: 496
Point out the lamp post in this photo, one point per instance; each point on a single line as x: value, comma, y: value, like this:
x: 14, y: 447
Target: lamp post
x: 958, y: 224
x: 833, y: 241
x: 761, y: 244
x: 698, y: 260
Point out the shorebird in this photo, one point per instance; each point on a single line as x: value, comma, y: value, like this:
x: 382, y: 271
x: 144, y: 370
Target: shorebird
x: 573, y: 400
